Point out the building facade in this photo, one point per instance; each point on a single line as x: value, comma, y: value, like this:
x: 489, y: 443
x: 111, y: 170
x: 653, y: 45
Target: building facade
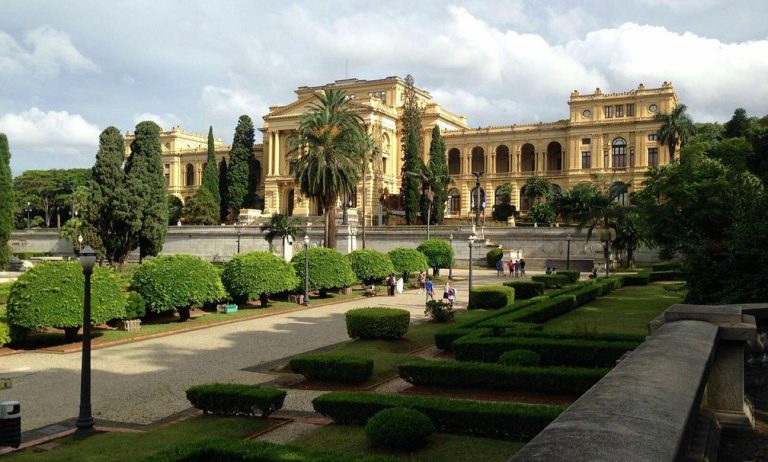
x: 611, y: 136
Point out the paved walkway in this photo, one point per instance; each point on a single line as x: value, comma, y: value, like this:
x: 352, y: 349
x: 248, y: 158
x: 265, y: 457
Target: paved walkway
x: 145, y: 381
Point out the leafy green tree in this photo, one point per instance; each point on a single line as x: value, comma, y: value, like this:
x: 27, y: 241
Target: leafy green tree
x: 223, y: 188
x: 210, y: 179
x: 110, y: 212
x: 71, y: 231
x: 738, y: 126
x: 279, y: 226
x: 328, y: 269
x: 257, y: 275
x: 413, y: 167
x: 502, y: 208
x: 676, y: 127
x: 240, y: 162
x: 201, y: 209
x: 407, y: 261
x: 145, y: 182
x: 439, y: 254
x: 51, y: 193
x: 327, y: 147
x: 537, y: 188
x: 175, y: 209
x: 370, y: 266
x: 542, y: 213
x: 6, y: 203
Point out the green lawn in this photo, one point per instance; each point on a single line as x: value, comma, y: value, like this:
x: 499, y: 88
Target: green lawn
x: 442, y: 447
x: 117, y: 447
x: 624, y: 311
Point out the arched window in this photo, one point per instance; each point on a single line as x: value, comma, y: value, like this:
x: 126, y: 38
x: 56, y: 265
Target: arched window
x: 554, y: 156
x: 454, y: 162
x: 502, y: 159
x: 501, y: 195
x: 473, y: 199
x: 290, y: 202
x: 619, y: 158
x: 190, y: 175
x: 619, y: 192
x: 478, y: 159
x: 454, y: 202
x: 527, y: 158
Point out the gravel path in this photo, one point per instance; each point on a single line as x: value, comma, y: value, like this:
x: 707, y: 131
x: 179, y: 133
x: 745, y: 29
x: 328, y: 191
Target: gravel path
x: 288, y: 433
x: 145, y: 381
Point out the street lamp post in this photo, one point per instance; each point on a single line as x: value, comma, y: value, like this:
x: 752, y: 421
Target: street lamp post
x: 306, y: 269
x: 450, y: 265
x: 477, y: 198
x: 568, y: 252
x: 345, y: 211
x: 29, y: 211
x: 471, y: 240
x: 85, y: 419
x: 239, y: 232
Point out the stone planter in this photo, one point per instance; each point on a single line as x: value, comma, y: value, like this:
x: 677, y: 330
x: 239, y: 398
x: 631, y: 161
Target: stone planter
x: 130, y: 325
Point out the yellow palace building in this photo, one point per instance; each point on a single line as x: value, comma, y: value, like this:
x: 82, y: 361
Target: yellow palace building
x: 612, y: 135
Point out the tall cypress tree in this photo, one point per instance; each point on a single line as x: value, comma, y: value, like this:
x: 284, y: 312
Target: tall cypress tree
x: 240, y: 164
x: 211, y: 173
x: 223, y: 191
x: 412, y: 166
x: 6, y: 201
x: 109, y: 211
x: 145, y: 180
x: 438, y: 175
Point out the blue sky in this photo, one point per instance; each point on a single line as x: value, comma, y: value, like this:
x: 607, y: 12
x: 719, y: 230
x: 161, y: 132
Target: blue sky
x: 70, y: 69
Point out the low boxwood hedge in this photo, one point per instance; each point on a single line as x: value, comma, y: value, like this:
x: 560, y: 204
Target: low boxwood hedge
x: 367, y: 323
x: 526, y: 289
x: 670, y: 275
x: 399, y: 429
x: 538, y: 312
x: 553, y: 351
x: 639, y: 279
x: 235, y: 399
x: 491, y: 297
x: 572, y: 275
x: 462, y: 374
x: 500, y: 420
x: 586, y: 294
x: 523, y: 358
x: 552, y: 281
x: 333, y: 367
x: 610, y: 284
x: 666, y: 266
x: 220, y: 450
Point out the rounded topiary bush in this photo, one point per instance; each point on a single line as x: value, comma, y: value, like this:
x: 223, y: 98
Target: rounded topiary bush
x: 493, y: 256
x: 377, y: 322
x: 524, y: 358
x: 135, y: 306
x: 407, y: 261
x: 328, y: 269
x: 399, y: 428
x: 177, y: 282
x: 51, y: 295
x: 490, y: 297
x: 257, y: 275
x: 370, y: 266
x: 439, y: 253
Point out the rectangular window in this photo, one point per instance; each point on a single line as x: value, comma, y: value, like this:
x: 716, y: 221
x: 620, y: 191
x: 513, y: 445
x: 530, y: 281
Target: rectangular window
x: 630, y: 110
x: 605, y: 159
x: 652, y: 137
x: 586, y: 159
x: 632, y: 157
x: 619, y: 110
x: 653, y: 157
x: 608, y: 112
x: 586, y: 141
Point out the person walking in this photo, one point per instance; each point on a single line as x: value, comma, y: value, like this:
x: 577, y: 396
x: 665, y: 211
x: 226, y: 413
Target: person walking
x: 511, y: 266
x: 522, y: 267
x: 430, y: 289
x: 499, y: 269
x: 422, y: 281
x: 517, y: 269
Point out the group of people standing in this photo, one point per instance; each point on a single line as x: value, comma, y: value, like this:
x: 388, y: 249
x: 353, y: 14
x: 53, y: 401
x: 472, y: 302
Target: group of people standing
x: 516, y: 268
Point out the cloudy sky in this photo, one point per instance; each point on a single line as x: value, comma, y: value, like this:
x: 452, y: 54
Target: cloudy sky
x: 70, y: 69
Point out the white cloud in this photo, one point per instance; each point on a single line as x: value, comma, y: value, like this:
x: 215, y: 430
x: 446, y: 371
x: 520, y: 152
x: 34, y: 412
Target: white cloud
x: 50, y: 137
x: 226, y: 104
x: 48, y: 52
x: 166, y: 121
x: 682, y: 5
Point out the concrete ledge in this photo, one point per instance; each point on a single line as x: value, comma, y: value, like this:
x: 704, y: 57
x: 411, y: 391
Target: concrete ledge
x: 643, y: 410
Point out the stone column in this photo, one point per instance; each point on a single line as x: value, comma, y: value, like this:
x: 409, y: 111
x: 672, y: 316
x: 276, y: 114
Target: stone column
x: 725, y: 388
x: 278, y: 158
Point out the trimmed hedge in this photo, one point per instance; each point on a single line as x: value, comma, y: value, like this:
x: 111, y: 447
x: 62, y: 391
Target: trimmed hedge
x: 639, y: 279
x: 554, y: 352
x: 222, y: 450
x: 367, y: 323
x: 536, y: 312
x: 586, y: 294
x: 170, y: 282
x: 552, y: 281
x: 256, y: 275
x: 135, y: 306
x: 523, y: 358
x: 5, y: 333
x: 370, y: 265
x: 407, y: 261
x: 494, y: 256
x: 526, y: 289
x: 666, y: 266
x: 333, y: 367
x: 666, y: 276
x: 328, y: 269
x: 500, y: 420
x: 572, y: 275
x: 235, y: 399
x: 399, y: 429
x: 461, y: 374
x: 491, y: 297
x: 439, y: 253
x: 610, y: 284
x: 50, y: 294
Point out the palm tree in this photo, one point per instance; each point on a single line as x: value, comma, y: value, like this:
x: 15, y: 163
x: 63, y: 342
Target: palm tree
x: 281, y: 226
x: 328, y: 162
x: 369, y: 152
x: 676, y: 127
x: 537, y: 187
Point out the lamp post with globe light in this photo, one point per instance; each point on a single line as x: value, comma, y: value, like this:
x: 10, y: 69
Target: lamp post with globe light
x: 306, y: 269
x: 85, y: 419
x: 471, y: 240
x: 568, y: 252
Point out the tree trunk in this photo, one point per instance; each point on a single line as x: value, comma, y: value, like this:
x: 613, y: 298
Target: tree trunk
x: 363, y: 228
x: 264, y: 300
x: 184, y: 314
x: 330, y: 240
x: 70, y: 334
x: 630, y: 258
